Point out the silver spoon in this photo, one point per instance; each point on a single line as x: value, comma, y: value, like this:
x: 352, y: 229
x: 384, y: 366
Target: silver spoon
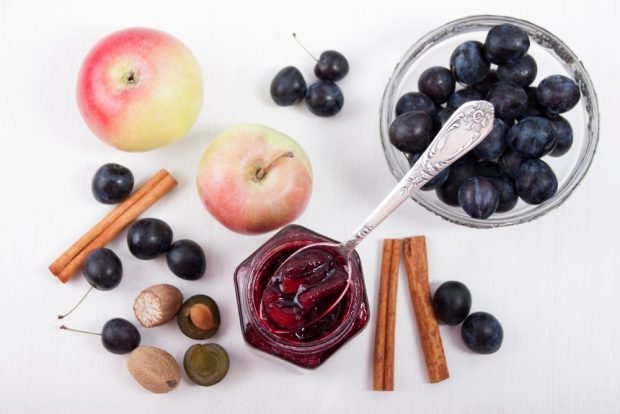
x: 465, y: 129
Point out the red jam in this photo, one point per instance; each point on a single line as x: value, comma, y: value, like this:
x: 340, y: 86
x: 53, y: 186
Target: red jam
x: 304, y: 288
x: 294, y: 296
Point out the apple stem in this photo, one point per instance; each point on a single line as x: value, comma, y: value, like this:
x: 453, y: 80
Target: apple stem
x: 262, y: 171
x: 76, y: 305
x: 77, y: 330
x: 304, y: 48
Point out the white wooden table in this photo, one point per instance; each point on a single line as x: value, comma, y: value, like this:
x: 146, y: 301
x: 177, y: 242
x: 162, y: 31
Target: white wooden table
x: 553, y: 283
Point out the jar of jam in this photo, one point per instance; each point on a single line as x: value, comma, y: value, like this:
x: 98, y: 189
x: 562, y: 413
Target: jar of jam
x: 305, y: 345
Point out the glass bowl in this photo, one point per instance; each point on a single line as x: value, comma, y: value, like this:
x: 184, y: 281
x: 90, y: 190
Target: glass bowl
x: 552, y: 56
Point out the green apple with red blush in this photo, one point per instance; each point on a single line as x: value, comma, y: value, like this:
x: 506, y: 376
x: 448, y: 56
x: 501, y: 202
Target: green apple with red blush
x: 139, y: 89
x: 254, y: 179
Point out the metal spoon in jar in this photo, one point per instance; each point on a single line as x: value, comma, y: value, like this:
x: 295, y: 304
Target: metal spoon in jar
x: 465, y: 129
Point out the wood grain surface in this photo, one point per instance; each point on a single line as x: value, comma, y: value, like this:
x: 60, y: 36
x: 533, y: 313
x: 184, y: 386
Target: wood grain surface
x: 553, y: 283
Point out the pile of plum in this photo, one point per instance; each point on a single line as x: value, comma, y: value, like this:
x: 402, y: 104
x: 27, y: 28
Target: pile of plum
x: 527, y: 126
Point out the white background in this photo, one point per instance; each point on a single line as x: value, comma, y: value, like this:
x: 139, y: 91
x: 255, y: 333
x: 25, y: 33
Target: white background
x: 553, y: 283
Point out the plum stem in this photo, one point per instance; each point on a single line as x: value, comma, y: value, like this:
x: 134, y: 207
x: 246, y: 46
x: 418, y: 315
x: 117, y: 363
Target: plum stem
x: 79, y: 331
x: 262, y: 171
x: 304, y: 47
x: 78, y: 304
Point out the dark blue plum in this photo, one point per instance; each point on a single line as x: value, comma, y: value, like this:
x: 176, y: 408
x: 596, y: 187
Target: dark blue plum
x: 564, y: 133
x: 120, y: 336
x: 510, y: 162
x: 324, y: 98
x: 506, y: 43
x: 112, y: 183
x: 533, y: 137
x: 441, y: 117
x: 536, y: 182
x: 415, y: 102
x: 478, y: 197
x: 522, y: 72
x: 147, y: 238
x: 452, y: 302
x: 437, y: 83
x: 103, y: 269
x: 468, y: 63
x: 508, y: 196
x: 462, y: 96
x: 494, y: 145
x: 482, y: 333
x: 484, y: 86
x: 459, y: 172
x: 411, y: 131
x: 558, y: 94
x: 509, y: 100
x: 488, y: 169
x: 288, y: 87
x: 436, y: 181
x: 331, y: 66
x: 533, y: 108
x: 186, y: 259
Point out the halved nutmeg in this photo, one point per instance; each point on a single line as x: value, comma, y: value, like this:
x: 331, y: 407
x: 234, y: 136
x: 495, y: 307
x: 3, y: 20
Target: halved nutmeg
x: 199, y: 317
x: 157, y: 304
x: 154, y: 369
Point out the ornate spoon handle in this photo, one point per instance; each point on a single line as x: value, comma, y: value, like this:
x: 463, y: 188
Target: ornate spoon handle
x: 469, y: 125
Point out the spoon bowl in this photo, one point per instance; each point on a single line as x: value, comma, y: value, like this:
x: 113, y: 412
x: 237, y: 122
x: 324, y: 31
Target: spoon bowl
x: 306, y: 286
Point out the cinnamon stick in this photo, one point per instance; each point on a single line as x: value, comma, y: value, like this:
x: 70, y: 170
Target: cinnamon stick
x: 379, y: 360
x: 391, y: 316
x: 416, y: 264
x: 383, y: 379
x: 72, y: 260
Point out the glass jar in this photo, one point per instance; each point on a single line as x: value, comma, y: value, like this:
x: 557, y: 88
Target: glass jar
x: 308, y: 347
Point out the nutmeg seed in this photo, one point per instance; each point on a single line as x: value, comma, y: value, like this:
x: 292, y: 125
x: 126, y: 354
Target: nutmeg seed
x: 154, y: 369
x: 157, y: 304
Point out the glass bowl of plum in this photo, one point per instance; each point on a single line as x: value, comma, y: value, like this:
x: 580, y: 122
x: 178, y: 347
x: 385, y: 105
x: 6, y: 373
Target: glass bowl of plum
x: 546, y: 124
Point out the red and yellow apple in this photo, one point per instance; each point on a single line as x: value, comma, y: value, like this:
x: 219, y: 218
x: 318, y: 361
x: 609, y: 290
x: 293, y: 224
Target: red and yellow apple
x: 139, y: 89
x: 254, y: 179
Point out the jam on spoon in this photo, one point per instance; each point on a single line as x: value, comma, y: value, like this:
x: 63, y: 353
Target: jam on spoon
x: 304, y: 289
x: 313, y: 280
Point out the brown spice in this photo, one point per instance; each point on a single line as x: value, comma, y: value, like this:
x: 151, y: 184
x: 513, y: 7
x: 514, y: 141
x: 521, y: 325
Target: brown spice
x: 154, y: 369
x: 157, y: 304
x: 416, y: 264
x: 386, y: 317
x: 72, y: 260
